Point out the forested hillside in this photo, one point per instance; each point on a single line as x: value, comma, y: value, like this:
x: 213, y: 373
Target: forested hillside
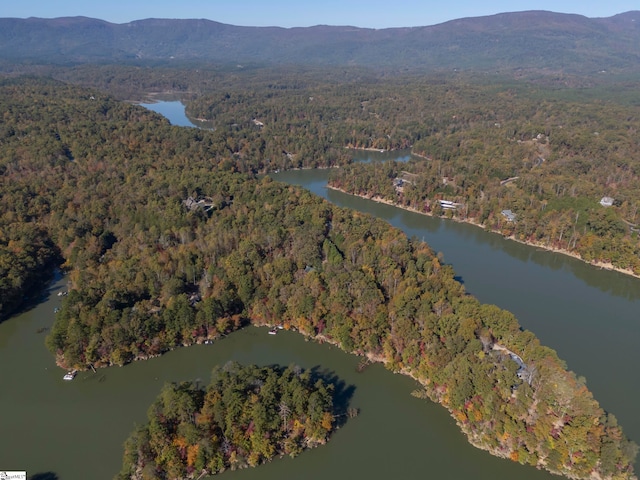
x: 168, y: 243
x: 547, y: 154
x: 524, y: 42
x: 553, y: 172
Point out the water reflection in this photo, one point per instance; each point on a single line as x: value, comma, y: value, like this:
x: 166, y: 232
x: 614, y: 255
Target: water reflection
x: 175, y: 113
x: 380, y: 156
x: 439, y: 234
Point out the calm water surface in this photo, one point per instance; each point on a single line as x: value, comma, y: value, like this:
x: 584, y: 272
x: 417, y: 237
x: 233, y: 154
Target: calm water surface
x: 590, y: 316
x: 76, y: 429
x: 174, y: 111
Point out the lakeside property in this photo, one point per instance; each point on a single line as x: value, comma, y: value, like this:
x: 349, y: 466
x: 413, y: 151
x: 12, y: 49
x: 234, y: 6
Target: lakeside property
x: 475, y: 223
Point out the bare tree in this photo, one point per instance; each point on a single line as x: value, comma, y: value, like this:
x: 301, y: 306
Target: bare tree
x: 285, y: 411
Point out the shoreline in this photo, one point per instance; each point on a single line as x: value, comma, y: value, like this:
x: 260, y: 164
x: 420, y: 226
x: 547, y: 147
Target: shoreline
x: 501, y: 450
x: 600, y: 265
x: 368, y: 149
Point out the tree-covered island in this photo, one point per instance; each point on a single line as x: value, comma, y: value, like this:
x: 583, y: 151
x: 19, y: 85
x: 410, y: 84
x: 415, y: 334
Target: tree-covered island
x: 170, y: 240
x: 246, y: 416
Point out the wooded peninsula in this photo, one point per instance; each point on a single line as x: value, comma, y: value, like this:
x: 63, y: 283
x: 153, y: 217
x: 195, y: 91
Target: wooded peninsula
x: 171, y: 238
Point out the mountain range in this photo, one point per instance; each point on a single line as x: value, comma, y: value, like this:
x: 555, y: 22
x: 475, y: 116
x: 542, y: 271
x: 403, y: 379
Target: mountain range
x: 537, y: 40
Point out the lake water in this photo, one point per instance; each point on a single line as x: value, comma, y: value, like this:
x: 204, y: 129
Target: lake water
x: 589, y: 315
x: 174, y: 111
x: 75, y: 430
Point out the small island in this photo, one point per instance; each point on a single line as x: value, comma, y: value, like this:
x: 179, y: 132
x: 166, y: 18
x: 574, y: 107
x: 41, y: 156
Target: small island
x: 246, y: 416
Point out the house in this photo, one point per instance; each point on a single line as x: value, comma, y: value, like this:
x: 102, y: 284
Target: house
x: 205, y: 203
x: 606, y: 201
x: 509, y: 215
x: 448, y: 205
x: 508, y: 180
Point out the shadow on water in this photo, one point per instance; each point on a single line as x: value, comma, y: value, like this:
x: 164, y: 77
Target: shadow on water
x: 416, y: 225
x: 44, y: 476
x: 611, y: 282
x: 342, y: 393
x: 38, y: 294
x: 98, y: 377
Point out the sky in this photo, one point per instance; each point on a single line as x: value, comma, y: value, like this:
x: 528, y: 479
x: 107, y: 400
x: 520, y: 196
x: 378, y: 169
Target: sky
x: 305, y: 13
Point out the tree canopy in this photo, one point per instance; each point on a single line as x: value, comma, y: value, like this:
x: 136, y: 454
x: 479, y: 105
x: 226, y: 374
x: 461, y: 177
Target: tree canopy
x: 170, y: 239
x: 246, y: 416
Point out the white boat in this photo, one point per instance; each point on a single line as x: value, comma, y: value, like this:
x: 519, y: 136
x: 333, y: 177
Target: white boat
x: 273, y: 331
x: 70, y: 375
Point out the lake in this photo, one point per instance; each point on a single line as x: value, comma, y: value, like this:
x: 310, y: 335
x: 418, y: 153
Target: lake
x: 75, y: 430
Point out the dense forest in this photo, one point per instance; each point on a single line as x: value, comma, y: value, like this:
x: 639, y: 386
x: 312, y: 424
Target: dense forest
x: 547, y: 156
x: 550, y: 158
x: 551, y: 164
x: 246, y: 416
x: 546, y: 153
x: 169, y: 240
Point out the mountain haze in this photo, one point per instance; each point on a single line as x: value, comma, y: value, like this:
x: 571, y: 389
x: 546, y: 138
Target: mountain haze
x: 523, y: 40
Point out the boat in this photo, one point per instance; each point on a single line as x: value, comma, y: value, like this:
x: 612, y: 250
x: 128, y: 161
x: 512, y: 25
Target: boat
x: 273, y: 331
x: 70, y: 375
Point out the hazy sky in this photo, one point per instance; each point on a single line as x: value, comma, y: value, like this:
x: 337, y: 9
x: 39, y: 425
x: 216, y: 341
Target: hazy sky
x: 303, y: 13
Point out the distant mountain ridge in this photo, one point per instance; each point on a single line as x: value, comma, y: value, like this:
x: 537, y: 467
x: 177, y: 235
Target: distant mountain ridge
x: 524, y: 40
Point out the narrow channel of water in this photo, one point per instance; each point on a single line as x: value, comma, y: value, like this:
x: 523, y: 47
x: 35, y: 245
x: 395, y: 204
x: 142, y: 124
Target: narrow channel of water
x: 589, y: 315
x: 174, y: 111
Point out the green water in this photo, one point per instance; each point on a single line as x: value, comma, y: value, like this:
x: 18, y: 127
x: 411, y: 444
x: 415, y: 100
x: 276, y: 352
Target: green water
x: 75, y: 430
x: 590, y: 316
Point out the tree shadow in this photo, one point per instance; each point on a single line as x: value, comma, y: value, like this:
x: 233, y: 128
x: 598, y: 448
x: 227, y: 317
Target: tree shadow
x: 37, y: 294
x: 342, y: 394
x: 44, y: 476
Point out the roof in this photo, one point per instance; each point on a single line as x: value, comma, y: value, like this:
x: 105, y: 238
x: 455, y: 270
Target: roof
x: 509, y: 215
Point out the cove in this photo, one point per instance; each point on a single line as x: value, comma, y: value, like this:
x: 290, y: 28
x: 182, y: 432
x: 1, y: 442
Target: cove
x: 75, y: 430
x: 174, y: 111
